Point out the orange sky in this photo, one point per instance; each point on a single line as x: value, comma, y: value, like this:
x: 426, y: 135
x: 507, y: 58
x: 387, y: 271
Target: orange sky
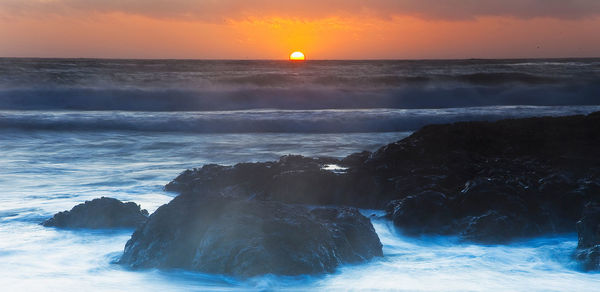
x: 234, y: 30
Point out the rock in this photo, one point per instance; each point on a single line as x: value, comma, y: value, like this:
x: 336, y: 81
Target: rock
x: 100, y: 213
x: 496, y: 227
x: 589, y: 258
x: 501, y: 180
x: 536, y: 174
x: 292, y: 179
x: 588, y: 231
x: 483, y: 194
x: 235, y: 236
x: 556, y: 182
x: 588, y: 228
x: 356, y: 159
x: 409, y: 213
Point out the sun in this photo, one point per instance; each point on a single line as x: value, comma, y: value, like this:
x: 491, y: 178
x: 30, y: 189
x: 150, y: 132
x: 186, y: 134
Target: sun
x: 297, y: 56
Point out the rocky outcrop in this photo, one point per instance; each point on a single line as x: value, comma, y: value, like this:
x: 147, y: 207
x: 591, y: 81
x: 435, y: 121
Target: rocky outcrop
x: 486, y: 181
x: 293, y: 179
x: 100, y: 213
x: 502, y: 180
x: 228, y: 233
x: 588, y: 230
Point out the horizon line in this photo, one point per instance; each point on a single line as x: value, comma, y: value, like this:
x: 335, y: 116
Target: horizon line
x: 307, y: 60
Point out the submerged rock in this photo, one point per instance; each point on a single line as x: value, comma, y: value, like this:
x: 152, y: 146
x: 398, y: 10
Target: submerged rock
x: 588, y: 230
x: 226, y: 234
x: 100, y: 213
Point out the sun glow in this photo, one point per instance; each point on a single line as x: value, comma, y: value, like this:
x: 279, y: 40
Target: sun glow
x: 297, y: 56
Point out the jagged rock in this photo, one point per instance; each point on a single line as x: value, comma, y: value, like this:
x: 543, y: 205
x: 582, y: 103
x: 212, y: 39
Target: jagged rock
x: 100, y: 213
x: 236, y: 236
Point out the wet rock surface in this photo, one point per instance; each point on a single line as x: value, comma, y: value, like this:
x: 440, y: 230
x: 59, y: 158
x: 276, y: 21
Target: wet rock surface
x: 228, y: 234
x: 486, y: 181
x: 293, y: 179
x: 502, y: 180
x: 100, y: 213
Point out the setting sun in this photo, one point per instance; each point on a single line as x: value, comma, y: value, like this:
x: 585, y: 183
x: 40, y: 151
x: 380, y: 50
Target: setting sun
x: 352, y: 166
x: 297, y: 56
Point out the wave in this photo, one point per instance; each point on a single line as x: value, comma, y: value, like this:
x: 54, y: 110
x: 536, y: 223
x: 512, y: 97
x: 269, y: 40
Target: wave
x: 287, y: 79
x: 294, y: 98
x: 270, y: 121
x: 384, y: 80
x: 193, y: 85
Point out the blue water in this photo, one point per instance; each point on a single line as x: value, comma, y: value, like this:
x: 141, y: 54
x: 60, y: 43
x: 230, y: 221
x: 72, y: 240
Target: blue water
x: 74, y: 130
x: 48, y: 171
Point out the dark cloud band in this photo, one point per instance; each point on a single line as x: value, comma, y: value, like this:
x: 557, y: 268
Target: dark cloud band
x: 215, y: 10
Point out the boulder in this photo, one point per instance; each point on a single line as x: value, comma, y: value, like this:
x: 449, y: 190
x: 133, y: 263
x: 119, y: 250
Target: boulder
x: 244, y: 237
x: 100, y: 213
x: 424, y: 213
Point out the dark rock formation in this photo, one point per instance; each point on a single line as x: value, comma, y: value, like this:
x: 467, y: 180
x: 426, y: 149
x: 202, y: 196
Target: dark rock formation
x: 502, y: 180
x: 588, y: 229
x: 408, y: 213
x: 228, y: 234
x: 487, y: 181
x: 100, y: 213
x: 293, y: 179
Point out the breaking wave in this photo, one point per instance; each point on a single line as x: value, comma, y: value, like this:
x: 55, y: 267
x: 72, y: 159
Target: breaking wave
x: 411, y: 97
x: 270, y: 121
x: 189, y: 85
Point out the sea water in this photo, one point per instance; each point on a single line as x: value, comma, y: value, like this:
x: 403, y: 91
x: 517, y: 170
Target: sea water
x: 74, y: 130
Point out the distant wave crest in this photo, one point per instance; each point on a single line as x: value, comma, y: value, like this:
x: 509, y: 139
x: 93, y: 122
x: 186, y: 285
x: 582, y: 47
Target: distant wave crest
x: 267, y: 121
x: 197, y: 85
x: 407, y: 97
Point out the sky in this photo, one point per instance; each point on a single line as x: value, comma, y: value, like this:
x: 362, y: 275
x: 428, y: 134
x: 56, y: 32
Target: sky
x: 322, y: 29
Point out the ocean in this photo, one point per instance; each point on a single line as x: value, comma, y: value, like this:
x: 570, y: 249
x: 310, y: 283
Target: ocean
x: 76, y: 129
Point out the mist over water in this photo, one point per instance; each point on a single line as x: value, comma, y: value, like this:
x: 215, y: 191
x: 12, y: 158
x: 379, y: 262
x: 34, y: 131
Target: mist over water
x: 189, y: 85
x: 74, y: 130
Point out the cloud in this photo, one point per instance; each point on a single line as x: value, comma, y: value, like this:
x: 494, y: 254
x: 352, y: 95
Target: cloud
x: 218, y: 10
